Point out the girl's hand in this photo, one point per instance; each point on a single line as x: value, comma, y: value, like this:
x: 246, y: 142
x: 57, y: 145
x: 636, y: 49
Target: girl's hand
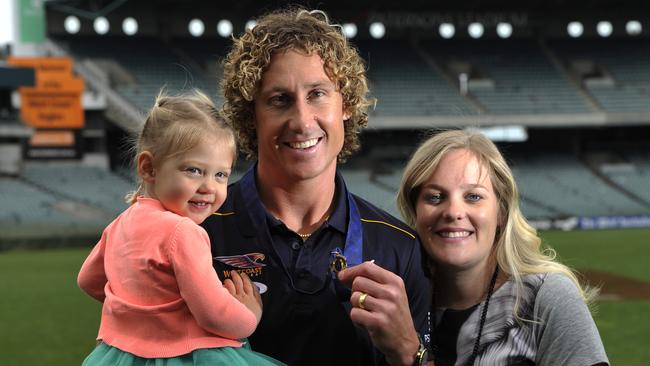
x: 242, y: 288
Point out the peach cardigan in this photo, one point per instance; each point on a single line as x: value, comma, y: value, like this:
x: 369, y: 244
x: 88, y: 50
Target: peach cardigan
x: 162, y: 298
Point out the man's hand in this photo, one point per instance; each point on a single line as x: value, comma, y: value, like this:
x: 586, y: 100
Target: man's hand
x: 385, y: 313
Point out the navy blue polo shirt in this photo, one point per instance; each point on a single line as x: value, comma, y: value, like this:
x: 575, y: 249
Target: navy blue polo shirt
x: 306, y: 319
x: 308, y: 261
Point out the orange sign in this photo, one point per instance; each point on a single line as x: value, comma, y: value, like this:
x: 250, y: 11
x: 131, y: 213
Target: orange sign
x: 55, y: 101
x: 52, y: 138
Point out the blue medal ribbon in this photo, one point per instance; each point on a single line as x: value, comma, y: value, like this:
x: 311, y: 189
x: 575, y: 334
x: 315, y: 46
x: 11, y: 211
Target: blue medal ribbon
x: 353, y: 250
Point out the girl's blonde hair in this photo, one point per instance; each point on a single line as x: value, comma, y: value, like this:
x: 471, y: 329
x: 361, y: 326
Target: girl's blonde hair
x: 175, y: 125
x: 518, y: 247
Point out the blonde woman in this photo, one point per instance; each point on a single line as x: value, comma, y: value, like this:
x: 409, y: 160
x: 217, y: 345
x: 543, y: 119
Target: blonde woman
x: 498, y: 299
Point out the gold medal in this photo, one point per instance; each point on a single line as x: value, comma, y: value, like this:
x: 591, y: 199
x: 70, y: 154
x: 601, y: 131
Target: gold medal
x: 339, y: 262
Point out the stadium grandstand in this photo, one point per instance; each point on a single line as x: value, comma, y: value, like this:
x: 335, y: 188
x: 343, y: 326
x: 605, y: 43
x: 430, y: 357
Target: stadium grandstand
x: 562, y: 86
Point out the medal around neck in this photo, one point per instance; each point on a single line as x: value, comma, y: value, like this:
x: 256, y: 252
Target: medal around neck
x: 339, y: 262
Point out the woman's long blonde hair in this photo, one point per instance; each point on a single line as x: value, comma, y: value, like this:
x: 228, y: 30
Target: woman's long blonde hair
x: 518, y: 247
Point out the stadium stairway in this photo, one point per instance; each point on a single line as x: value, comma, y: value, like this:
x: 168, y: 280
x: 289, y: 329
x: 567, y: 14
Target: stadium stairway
x: 631, y: 179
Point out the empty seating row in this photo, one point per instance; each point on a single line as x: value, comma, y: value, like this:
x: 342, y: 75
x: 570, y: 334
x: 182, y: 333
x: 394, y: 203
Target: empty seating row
x: 406, y: 82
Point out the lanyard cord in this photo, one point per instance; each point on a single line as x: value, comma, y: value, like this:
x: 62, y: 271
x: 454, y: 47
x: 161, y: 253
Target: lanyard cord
x: 484, y: 311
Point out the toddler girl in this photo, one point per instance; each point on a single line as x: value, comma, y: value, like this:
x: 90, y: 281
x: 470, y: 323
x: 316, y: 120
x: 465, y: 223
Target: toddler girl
x: 163, y: 303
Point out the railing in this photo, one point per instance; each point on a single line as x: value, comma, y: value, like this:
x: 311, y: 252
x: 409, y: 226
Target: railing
x: 119, y: 109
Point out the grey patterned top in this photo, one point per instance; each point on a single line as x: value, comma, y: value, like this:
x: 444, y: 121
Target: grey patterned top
x: 563, y: 333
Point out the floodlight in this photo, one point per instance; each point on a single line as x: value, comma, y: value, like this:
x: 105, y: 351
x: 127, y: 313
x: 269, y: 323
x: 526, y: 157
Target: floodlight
x: 504, y: 30
x: 575, y: 29
x: 475, y: 30
x: 251, y: 24
x: 349, y: 30
x: 224, y: 28
x: 101, y: 25
x: 377, y: 30
x: 72, y: 24
x: 633, y: 27
x: 446, y: 30
x: 130, y: 26
x: 196, y: 27
x: 604, y: 28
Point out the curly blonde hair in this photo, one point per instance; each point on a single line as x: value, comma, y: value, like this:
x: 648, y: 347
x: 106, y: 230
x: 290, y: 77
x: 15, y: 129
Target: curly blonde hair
x: 306, y: 31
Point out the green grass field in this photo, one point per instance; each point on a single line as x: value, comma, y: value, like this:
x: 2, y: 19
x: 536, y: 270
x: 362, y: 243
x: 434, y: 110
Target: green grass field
x: 46, y: 320
x: 624, y: 325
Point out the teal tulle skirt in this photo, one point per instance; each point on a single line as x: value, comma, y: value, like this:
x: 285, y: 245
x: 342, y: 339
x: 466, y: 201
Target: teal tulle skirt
x: 105, y: 355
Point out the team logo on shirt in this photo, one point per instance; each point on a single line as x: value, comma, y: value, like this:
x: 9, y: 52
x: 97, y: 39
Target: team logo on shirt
x: 249, y: 263
x: 249, y: 260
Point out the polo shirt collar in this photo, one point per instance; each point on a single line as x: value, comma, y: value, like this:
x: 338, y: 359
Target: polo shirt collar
x: 339, y: 217
x: 258, y: 213
x: 251, y: 198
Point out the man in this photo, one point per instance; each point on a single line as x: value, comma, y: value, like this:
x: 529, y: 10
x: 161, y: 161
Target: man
x: 295, y: 93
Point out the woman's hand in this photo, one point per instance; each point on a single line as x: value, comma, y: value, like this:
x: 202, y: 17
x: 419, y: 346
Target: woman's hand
x: 242, y: 288
x: 384, y: 311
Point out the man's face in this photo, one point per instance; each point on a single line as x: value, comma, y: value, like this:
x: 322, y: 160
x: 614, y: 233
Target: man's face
x: 299, y: 118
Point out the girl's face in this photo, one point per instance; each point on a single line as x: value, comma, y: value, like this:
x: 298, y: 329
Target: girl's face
x: 457, y: 213
x: 194, y: 184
